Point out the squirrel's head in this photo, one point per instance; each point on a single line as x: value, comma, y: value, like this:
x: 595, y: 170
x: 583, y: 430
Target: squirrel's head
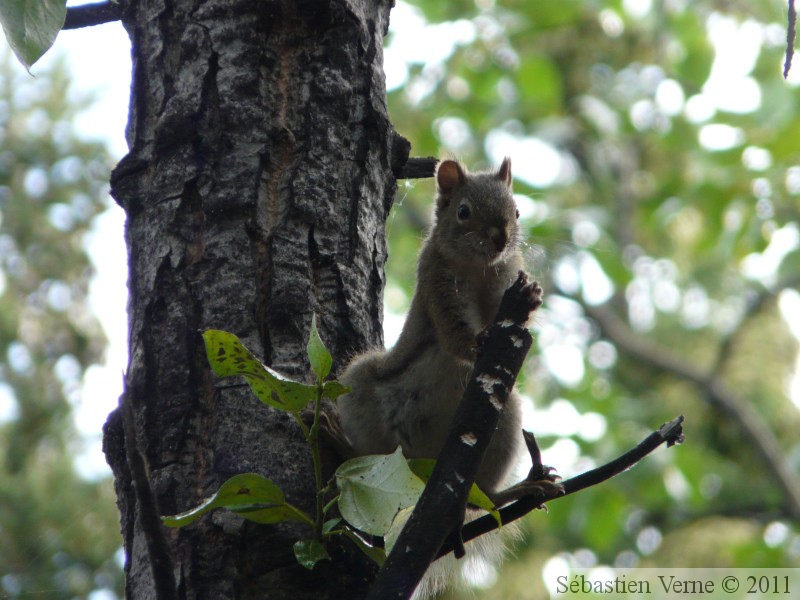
x: 476, y: 216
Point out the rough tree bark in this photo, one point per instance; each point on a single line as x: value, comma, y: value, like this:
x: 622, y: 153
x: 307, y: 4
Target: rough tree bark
x: 261, y: 171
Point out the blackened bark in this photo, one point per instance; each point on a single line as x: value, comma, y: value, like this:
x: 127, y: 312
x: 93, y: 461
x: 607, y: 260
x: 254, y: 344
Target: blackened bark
x: 260, y: 175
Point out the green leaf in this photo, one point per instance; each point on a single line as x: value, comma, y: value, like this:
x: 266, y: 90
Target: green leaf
x: 31, y: 26
x: 228, y: 357
x: 423, y: 468
x: 329, y: 525
x: 396, y: 528
x: 374, y: 488
x: 334, y: 389
x: 310, y: 552
x: 318, y: 354
x: 250, y: 495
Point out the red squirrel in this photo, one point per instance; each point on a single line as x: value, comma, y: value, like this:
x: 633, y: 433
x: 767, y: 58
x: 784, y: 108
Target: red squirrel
x: 407, y: 396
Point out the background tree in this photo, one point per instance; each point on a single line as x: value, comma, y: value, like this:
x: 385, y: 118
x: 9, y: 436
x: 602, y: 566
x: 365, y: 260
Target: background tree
x: 57, y: 530
x: 661, y: 213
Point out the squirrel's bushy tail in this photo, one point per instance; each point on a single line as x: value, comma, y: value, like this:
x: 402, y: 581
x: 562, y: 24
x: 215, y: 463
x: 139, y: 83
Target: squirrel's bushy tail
x: 489, y: 549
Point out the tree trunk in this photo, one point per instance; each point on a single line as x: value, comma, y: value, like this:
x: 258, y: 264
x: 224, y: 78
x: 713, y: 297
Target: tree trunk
x: 261, y: 171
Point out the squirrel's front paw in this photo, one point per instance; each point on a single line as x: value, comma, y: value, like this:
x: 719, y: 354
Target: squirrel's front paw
x: 533, y: 293
x: 521, y: 299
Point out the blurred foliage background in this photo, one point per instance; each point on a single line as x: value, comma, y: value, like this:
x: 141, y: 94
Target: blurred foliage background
x: 655, y: 152
x: 59, y: 533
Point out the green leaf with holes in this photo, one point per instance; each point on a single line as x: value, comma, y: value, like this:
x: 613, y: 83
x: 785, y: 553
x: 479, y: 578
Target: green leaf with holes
x: 31, y: 26
x: 250, y: 495
x: 228, y: 357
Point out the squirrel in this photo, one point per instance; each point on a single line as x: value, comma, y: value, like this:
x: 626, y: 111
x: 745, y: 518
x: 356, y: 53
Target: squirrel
x: 407, y: 396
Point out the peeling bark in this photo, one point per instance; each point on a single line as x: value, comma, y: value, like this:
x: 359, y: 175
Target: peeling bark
x: 261, y: 171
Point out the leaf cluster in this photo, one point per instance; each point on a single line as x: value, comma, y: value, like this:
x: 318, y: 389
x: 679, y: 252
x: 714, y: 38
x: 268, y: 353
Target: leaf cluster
x: 371, y: 491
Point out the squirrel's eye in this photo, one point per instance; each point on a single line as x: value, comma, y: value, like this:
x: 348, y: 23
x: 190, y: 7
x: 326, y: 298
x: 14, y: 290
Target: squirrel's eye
x: 518, y: 213
x: 463, y: 212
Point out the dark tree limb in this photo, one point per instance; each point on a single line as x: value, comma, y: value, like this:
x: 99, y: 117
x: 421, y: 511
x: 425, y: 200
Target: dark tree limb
x: 419, y: 168
x: 88, y: 15
x: 440, y: 510
x: 670, y: 433
x: 157, y: 549
x: 790, y: 33
x: 714, y: 390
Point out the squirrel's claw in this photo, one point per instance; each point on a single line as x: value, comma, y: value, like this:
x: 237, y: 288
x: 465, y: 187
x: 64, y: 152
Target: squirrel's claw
x: 541, y: 480
x: 544, y: 489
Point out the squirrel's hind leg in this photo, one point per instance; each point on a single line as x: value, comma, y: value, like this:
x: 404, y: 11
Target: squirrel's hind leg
x: 541, y: 481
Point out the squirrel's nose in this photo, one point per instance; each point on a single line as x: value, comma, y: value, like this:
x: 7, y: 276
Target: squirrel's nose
x: 498, y: 237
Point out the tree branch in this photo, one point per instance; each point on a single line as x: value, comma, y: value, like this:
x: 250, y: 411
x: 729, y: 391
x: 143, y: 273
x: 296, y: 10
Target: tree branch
x: 670, y: 433
x: 790, y: 33
x: 714, y: 390
x: 152, y: 528
x: 440, y: 510
x: 87, y: 15
x: 419, y: 168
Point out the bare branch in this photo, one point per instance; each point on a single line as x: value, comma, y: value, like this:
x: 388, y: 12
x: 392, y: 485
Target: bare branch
x: 88, y: 15
x: 419, y: 168
x: 670, y: 433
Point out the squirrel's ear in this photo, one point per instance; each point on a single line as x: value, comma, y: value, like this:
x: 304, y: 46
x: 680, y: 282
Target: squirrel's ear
x: 449, y: 175
x: 504, y: 173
